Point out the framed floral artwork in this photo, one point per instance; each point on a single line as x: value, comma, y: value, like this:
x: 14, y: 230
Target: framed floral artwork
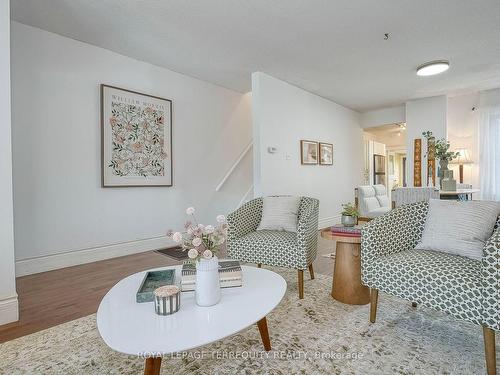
x: 136, y: 138
x: 325, y: 153
x: 308, y: 152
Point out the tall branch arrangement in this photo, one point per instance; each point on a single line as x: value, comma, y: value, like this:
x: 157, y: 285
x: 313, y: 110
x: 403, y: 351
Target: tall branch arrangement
x: 442, y: 148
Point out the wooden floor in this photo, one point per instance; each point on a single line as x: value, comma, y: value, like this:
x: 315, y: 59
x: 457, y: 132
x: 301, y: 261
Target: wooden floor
x: 51, y: 298
x: 55, y: 297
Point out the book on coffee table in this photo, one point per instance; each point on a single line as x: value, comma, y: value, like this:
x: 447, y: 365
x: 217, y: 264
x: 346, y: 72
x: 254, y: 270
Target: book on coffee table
x: 229, y: 275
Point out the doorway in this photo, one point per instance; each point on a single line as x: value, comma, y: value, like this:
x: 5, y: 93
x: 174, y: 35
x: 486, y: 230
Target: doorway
x: 385, y: 155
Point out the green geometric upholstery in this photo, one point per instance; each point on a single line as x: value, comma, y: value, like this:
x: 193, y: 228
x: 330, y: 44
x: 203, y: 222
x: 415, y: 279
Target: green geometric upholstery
x: 490, y: 280
x: 465, y: 288
x: 446, y: 282
x: 273, y: 248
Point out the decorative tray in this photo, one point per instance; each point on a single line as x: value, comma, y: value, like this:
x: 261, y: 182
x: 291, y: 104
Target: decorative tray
x: 153, y: 280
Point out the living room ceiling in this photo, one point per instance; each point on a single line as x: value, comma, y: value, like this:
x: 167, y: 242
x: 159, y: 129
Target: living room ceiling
x: 335, y: 49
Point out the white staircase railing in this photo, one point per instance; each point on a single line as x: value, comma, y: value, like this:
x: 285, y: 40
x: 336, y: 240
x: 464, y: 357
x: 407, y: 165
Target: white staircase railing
x: 243, y: 200
x: 233, y: 167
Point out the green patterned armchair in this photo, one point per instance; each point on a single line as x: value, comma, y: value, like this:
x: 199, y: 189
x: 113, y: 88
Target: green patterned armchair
x: 275, y: 248
x: 465, y: 288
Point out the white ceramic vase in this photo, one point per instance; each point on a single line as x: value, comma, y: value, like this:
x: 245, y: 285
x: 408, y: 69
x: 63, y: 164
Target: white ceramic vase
x: 207, y: 282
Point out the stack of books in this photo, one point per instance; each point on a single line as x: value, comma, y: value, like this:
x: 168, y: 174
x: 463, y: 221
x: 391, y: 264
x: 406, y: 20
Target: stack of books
x: 229, y: 274
x: 341, y: 230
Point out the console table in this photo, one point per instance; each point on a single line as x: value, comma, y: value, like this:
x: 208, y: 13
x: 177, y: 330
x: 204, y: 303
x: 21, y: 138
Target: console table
x: 459, y: 194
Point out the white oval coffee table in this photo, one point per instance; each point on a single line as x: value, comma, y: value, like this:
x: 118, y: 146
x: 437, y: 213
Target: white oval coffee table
x: 133, y: 328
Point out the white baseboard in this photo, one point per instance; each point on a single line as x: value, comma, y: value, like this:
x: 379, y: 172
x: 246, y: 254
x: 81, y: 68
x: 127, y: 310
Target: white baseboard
x: 326, y: 222
x: 73, y: 258
x: 9, y: 310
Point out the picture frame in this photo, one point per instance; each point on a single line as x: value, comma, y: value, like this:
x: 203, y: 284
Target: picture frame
x: 325, y: 153
x: 136, y: 138
x: 308, y: 152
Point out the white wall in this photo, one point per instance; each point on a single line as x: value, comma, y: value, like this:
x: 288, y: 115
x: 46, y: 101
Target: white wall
x: 378, y: 148
x: 489, y: 98
x: 392, y: 139
x: 62, y: 215
x: 8, y: 296
x: 463, y: 133
x: 383, y: 116
x: 283, y: 115
x: 422, y: 115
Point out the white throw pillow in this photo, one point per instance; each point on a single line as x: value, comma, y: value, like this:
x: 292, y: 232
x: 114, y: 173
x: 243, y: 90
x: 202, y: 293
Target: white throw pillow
x: 384, y: 201
x: 371, y: 204
x: 460, y: 228
x: 280, y: 213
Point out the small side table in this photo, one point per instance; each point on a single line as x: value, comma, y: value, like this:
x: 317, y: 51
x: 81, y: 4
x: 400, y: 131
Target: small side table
x: 346, y: 284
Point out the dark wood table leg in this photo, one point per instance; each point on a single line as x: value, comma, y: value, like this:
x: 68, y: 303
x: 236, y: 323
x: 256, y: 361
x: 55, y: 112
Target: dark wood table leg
x: 152, y: 366
x: 264, y: 333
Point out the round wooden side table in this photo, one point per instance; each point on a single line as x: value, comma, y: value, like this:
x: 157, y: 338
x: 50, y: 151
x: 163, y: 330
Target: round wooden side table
x: 346, y: 284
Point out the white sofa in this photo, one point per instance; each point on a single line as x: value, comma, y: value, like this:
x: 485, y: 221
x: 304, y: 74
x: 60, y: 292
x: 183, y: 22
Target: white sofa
x: 372, y: 200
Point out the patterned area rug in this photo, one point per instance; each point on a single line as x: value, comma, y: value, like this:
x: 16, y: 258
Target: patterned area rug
x: 316, y: 335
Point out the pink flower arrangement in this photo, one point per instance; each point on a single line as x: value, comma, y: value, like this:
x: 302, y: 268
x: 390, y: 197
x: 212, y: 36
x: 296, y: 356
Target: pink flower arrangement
x: 200, y: 241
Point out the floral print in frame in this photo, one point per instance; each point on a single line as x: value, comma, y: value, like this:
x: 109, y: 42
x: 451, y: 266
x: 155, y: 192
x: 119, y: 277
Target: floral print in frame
x: 136, y: 138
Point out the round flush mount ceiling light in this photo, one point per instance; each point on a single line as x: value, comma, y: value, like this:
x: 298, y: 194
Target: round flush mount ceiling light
x: 433, y: 67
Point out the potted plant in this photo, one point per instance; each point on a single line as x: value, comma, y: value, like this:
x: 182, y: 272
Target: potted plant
x: 203, y: 242
x: 349, y: 215
x: 443, y: 154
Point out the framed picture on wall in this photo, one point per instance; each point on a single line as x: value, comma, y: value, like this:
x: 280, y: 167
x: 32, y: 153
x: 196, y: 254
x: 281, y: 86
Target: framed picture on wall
x: 325, y: 153
x: 308, y: 152
x: 136, y: 139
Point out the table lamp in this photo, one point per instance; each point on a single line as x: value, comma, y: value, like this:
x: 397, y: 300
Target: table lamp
x: 463, y: 158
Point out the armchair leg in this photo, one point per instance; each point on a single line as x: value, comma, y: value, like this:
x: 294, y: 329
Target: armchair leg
x: 301, y: 283
x: 259, y: 265
x: 373, y: 304
x: 489, y: 351
x: 311, y: 271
